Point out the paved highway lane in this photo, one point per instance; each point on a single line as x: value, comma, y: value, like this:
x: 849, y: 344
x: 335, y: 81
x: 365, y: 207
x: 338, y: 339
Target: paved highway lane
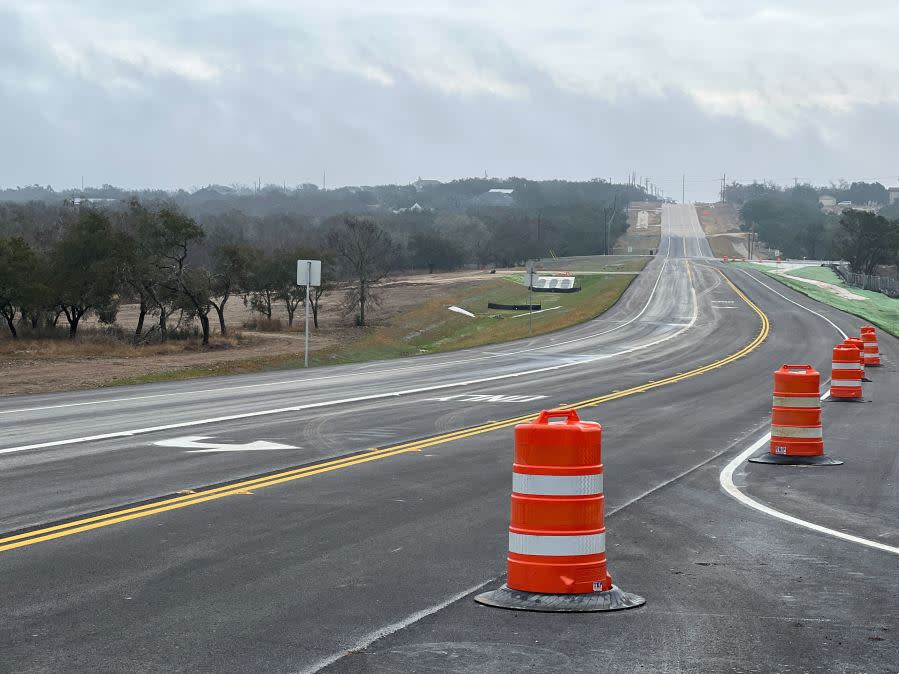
x: 657, y: 304
x: 83, y: 452
x: 292, y: 575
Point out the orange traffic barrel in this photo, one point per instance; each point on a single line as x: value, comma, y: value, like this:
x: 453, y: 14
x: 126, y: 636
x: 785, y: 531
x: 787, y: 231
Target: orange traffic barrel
x: 871, y: 353
x: 797, y: 436
x: 557, y: 534
x: 846, y: 373
x: 860, y: 345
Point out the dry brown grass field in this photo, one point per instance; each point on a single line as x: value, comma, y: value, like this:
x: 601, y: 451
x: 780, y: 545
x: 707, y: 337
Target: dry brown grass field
x: 411, y: 318
x: 96, y: 358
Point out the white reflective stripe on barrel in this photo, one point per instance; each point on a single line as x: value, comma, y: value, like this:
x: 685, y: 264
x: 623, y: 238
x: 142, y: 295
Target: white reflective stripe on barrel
x: 810, y: 401
x: 557, y: 485
x: 796, y: 432
x: 845, y: 383
x: 846, y: 366
x: 526, y: 544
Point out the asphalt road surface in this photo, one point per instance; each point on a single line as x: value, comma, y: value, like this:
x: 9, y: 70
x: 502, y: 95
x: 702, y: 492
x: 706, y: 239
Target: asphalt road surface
x: 343, y: 517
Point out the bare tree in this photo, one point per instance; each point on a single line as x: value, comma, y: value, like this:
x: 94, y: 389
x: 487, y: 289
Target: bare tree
x: 231, y: 269
x: 328, y: 281
x: 366, y: 255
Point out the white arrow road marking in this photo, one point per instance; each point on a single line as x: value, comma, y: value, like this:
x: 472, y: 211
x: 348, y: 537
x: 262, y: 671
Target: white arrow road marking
x: 194, y: 445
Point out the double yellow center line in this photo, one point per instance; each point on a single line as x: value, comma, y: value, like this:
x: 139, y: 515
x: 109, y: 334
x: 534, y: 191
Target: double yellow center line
x: 123, y: 515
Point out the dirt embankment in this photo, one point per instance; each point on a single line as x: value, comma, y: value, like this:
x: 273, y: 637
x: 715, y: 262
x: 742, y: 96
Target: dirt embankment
x: 721, y: 224
x: 644, y: 229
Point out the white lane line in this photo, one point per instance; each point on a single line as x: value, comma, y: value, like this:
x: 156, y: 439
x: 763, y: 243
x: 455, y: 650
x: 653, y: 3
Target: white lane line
x: 374, y: 396
x: 391, y: 370
x: 811, y: 311
x: 387, y: 630
x: 726, y: 477
x: 727, y: 483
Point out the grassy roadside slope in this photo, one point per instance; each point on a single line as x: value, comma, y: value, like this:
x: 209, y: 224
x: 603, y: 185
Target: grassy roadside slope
x: 432, y: 328
x: 877, y: 308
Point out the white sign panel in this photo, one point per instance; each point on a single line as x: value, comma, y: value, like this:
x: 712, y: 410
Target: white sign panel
x: 309, y: 272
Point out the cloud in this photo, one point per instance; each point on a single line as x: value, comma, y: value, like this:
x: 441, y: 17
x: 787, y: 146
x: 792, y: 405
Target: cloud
x: 174, y: 93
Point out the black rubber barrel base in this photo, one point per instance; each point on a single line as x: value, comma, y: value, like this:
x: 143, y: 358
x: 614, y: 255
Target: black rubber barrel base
x: 783, y: 460
x: 833, y: 399
x: 615, y: 599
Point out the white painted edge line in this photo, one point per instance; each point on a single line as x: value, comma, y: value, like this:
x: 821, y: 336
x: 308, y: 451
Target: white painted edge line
x: 726, y: 477
x: 801, y: 306
x: 373, y: 396
x: 424, y: 367
x: 727, y: 483
x: 377, y: 396
x: 387, y: 630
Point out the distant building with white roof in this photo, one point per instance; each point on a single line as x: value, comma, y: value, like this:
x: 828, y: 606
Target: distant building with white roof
x: 497, y: 196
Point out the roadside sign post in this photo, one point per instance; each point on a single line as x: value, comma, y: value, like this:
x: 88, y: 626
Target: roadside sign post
x: 309, y: 274
x: 530, y: 303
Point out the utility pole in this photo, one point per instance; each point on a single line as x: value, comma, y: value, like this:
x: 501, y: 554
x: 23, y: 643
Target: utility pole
x: 609, y: 217
x: 683, y: 189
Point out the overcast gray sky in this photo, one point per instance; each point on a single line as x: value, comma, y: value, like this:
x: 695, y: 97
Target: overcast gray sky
x: 169, y: 94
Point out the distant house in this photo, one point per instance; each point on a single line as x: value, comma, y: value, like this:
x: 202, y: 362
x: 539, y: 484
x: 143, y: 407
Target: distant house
x: 893, y: 195
x: 215, y: 192
x: 77, y: 201
x: 827, y: 201
x: 496, y: 197
x: 414, y: 208
x: 420, y: 184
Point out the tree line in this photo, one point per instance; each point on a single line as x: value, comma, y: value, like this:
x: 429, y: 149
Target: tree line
x: 860, y: 193
x: 153, y: 257
x: 793, y: 221
x: 60, y: 262
x: 457, y: 196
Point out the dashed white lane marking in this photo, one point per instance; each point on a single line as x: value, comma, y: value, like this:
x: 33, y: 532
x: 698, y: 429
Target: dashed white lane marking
x: 387, y: 630
x: 726, y: 477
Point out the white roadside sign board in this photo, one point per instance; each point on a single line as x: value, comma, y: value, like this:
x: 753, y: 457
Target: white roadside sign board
x: 309, y: 273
